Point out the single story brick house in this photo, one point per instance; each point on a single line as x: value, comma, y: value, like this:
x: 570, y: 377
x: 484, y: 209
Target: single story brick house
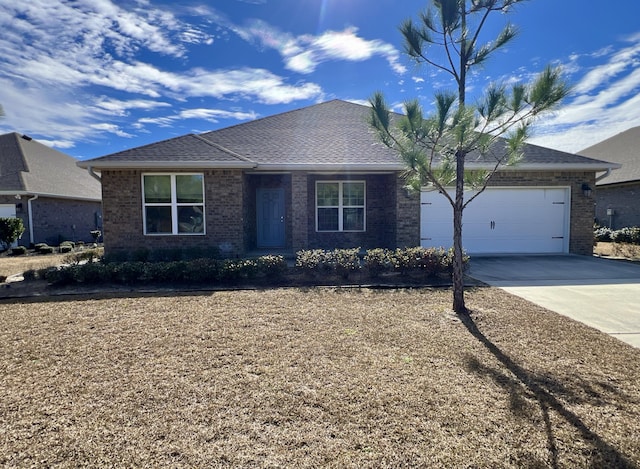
x: 56, y: 200
x: 618, y: 195
x: 317, y: 177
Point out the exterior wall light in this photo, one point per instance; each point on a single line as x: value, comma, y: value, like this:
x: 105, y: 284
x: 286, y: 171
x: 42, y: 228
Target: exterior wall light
x: 586, y: 189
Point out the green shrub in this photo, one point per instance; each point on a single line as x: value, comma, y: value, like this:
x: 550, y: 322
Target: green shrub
x: 59, y: 276
x: 271, y: 266
x: 10, y: 230
x: 377, y: 261
x: 198, y: 270
x: 39, y: 246
x: 230, y: 271
x: 313, y: 261
x: 345, y: 261
x: 424, y: 261
x: 602, y: 234
x: 129, y: 273
x: 87, y: 273
x: 629, y: 235
x: 65, y: 248
x: 19, y: 251
x: 46, y: 250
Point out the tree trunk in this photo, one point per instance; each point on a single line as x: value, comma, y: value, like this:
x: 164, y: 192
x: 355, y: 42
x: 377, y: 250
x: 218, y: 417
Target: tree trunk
x: 458, y: 263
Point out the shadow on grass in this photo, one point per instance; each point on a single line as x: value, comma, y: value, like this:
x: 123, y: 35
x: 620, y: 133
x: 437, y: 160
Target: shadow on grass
x: 525, y: 384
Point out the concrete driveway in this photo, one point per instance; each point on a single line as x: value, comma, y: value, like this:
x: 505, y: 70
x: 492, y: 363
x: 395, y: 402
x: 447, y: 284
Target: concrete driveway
x: 601, y: 293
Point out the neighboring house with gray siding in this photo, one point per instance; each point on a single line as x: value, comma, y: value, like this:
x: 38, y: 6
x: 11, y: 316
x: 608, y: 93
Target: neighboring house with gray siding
x: 317, y: 177
x: 55, y: 199
x: 618, y: 195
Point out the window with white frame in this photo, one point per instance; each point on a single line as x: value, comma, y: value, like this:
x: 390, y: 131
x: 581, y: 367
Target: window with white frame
x: 173, y: 204
x: 340, y: 205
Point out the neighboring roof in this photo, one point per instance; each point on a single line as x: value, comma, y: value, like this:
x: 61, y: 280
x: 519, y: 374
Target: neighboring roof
x: 330, y: 136
x: 624, y: 149
x: 29, y: 167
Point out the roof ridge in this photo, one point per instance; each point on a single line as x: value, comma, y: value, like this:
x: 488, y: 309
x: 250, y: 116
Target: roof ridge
x: 222, y: 148
x: 283, y: 113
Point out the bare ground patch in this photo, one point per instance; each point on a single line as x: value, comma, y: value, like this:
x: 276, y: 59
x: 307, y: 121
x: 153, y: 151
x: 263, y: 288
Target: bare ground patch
x: 312, y: 378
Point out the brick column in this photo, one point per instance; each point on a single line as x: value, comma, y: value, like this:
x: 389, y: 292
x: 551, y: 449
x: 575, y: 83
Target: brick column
x: 407, y: 216
x: 299, y: 210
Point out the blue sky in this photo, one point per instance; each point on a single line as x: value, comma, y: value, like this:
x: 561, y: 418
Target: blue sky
x: 92, y: 77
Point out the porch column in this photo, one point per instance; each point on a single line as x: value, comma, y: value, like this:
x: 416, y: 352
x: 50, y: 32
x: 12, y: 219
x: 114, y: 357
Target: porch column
x: 299, y: 211
x: 407, y: 216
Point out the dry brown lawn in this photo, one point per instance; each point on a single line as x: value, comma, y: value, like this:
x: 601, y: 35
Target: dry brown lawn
x: 311, y: 378
x: 12, y: 265
x: 628, y: 251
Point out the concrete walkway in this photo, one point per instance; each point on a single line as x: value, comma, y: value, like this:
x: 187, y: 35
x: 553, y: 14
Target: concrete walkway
x: 602, y: 293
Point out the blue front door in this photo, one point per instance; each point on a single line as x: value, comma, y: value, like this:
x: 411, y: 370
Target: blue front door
x: 270, y: 218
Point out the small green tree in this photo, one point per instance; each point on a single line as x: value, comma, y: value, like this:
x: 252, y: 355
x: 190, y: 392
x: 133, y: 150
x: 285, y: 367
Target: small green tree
x: 10, y: 230
x: 493, y: 131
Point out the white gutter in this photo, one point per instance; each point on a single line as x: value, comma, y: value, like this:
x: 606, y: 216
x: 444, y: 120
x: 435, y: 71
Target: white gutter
x: 31, y: 218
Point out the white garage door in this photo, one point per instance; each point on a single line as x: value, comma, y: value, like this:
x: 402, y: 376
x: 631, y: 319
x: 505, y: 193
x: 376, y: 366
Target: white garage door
x: 501, y: 220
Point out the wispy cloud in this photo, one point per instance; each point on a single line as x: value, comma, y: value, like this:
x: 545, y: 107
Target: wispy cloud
x: 211, y: 115
x: 303, y: 54
x: 65, y: 56
x: 605, y: 100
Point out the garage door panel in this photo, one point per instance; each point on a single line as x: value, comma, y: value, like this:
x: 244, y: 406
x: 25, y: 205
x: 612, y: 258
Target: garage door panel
x: 513, y: 220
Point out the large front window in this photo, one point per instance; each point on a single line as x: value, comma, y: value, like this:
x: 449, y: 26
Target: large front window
x: 173, y: 203
x: 340, y: 206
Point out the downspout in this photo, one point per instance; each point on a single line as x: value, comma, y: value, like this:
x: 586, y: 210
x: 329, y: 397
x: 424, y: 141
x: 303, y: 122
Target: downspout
x: 31, y: 218
x: 93, y: 174
x: 605, y: 175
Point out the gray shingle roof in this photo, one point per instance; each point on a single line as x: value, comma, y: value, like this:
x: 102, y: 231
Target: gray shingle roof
x: 624, y: 149
x: 335, y: 135
x: 27, y: 166
x: 180, y: 150
x: 331, y: 133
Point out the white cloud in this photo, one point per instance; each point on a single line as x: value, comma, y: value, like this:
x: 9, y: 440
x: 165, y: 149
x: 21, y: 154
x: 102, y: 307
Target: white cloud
x: 112, y: 129
x: 60, y: 59
x: 605, y: 101
x: 211, y: 115
x: 303, y: 54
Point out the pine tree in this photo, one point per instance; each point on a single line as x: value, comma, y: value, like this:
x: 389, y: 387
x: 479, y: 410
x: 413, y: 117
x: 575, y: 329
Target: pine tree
x: 434, y: 147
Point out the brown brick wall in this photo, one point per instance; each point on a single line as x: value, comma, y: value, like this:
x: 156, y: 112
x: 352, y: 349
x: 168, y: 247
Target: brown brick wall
x: 380, y: 215
x: 56, y: 220
x: 393, y: 216
x: 123, y: 224
x: 624, y: 199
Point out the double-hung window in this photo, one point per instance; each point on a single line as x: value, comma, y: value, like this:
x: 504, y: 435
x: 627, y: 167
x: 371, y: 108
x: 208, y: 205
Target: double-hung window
x: 173, y: 204
x: 340, y: 205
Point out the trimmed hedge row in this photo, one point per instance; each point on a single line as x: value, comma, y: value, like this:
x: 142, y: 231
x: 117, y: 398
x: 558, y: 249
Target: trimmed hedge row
x: 197, y: 271
x: 629, y: 235
x: 427, y: 262
x: 82, y: 267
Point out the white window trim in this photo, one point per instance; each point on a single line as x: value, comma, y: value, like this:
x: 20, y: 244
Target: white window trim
x: 174, y: 206
x: 341, y: 206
